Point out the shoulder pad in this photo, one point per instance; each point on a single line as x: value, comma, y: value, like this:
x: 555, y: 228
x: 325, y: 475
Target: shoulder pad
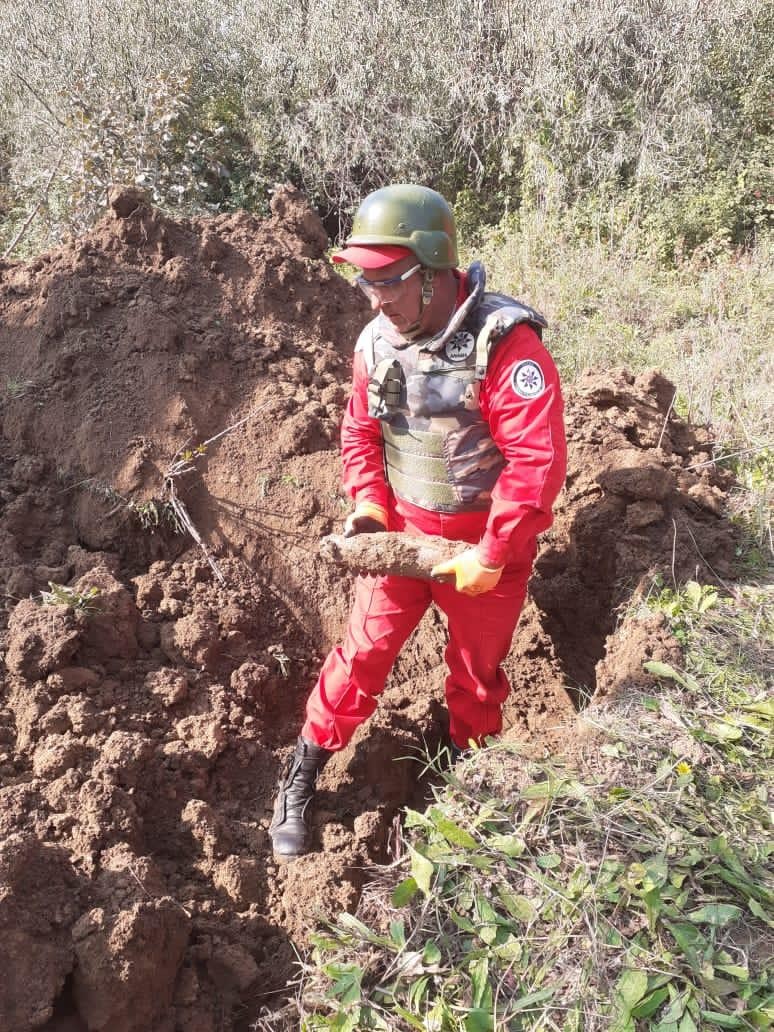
x: 496, y: 316
x: 511, y: 312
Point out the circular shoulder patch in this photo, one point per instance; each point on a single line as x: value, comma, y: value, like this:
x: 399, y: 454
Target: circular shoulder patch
x: 459, y: 346
x: 527, y: 379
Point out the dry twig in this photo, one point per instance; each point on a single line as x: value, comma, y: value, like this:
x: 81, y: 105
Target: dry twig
x: 184, y: 461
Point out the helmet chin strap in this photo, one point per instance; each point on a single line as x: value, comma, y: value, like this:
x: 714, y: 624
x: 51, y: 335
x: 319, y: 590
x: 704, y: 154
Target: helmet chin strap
x: 427, y: 296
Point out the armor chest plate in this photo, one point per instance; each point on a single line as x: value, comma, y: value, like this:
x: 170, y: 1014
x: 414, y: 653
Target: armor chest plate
x: 438, y: 449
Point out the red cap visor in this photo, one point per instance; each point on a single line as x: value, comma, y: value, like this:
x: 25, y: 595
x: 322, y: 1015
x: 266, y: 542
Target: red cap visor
x: 372, y: 256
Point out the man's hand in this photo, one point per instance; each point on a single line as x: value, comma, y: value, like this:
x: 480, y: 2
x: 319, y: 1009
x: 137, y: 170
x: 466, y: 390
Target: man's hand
x: 471, y: 577
x: 368, y: 518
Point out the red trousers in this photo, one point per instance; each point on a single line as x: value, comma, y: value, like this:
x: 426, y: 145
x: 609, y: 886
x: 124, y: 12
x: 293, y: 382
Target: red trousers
x: 385, y: 612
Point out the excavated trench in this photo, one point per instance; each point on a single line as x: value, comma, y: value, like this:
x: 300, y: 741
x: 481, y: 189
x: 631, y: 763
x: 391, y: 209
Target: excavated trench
x: 142, y: 731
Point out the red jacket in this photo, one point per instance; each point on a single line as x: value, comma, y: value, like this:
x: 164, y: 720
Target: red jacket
x: 528, y: 432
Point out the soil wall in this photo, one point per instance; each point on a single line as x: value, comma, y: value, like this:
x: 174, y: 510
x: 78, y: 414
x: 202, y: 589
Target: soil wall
x: 142, y: 733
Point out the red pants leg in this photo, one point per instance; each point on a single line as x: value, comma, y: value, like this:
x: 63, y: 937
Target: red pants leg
x: 480, y: 633
x: 385, y: 612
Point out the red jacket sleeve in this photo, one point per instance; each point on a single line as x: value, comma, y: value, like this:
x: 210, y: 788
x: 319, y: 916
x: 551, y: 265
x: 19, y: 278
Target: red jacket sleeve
x: 522, y: 400
x: 362, y: 450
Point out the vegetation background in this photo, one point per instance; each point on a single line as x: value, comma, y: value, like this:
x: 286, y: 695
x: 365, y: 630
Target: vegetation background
x: 657, y: 113
x: 612, y: 161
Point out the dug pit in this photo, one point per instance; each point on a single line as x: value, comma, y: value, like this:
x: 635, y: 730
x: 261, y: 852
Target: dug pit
x: 142, y: 728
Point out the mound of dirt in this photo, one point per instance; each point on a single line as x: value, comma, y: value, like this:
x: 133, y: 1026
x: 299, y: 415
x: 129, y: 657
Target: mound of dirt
x: 144, y: 724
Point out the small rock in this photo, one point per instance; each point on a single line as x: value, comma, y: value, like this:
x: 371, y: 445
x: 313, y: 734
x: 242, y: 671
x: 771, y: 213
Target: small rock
x: 232, y: 969
x: 168, y: 685
x: 642, y: 514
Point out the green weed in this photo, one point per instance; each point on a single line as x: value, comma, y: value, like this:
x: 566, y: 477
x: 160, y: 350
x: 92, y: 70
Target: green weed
x: 153, y: 515
x: 16, y: 388
x: 684, y: 605
x: 61, y: 595
x: 633, y: 894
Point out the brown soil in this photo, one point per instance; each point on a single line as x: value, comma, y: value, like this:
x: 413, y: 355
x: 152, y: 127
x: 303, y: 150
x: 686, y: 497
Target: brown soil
x: 140, y: 742
x: 399, y: 555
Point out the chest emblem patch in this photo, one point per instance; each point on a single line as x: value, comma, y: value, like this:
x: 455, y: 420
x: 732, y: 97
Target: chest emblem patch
x: 527, y: 379
x: 459, y: 346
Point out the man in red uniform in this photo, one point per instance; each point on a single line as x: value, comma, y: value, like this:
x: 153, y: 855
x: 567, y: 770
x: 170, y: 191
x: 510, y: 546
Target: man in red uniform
x: 454, y: 428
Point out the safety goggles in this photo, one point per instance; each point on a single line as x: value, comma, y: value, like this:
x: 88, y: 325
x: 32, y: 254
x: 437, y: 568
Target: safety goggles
x: 372, y: 288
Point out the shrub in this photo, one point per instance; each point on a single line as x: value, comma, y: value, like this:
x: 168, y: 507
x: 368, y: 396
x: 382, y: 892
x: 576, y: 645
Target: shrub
x: 517, y: 106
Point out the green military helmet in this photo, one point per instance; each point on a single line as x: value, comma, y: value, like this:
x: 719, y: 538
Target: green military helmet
x: 410, y: 216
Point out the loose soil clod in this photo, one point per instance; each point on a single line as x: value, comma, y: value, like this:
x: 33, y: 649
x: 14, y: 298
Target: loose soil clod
x: 390, y: 553
x: 140, y: 744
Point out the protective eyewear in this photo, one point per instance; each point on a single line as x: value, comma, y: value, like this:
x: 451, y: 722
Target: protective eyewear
x: 373, y: 287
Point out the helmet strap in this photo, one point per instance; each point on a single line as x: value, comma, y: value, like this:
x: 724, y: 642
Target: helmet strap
x: 414, y: 331
x: 427, y: 287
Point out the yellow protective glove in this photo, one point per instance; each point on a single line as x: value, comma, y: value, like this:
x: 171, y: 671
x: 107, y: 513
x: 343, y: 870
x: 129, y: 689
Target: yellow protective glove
x: 367, y: 518
x: 471, y: 577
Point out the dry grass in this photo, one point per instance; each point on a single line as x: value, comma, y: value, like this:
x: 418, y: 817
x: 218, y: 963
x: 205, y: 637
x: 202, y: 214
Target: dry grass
x: 629, y: 894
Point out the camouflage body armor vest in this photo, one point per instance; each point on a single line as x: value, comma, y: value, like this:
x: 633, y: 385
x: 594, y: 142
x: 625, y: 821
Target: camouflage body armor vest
x: 438, y: 451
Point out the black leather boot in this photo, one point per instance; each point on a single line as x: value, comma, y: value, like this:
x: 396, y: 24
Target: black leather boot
x: 288, y: 830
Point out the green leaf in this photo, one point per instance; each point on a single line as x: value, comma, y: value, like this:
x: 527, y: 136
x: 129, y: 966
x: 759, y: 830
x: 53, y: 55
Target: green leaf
x: 722, y: 1020
x: 408, y: 1017
x: 725, y: 731
x: 417, y: 992
x: 352, y: 924
x: 397, y: 928
x: 463, y: 922
x: 520, y: 907
x: 623, y: 1022
x: 349, y: 1022
x: 528, y: 1001
x: 422, y: 870
x: 404, y: 892
x: 510, y: 845
x: 735, y: 970
x: 664, y: 670
x: 415, y: 819
x: 715, y: 914
x: 478, y: 970
x: 650, y: 1003
x: 761, y: 1018
x: 630, y: 988
x: 479, y: 1020
x: 347, y: 979
x: 510, y: 950
x: 431, y: 954
x: 676, y: 1008
x: 486, y: 912
x: 540, y: 790
x: 759, y: 911
x: 690, y: 940
x: 687, y: 1024
x: 488, y: 920
x: 548, y: 861
x: 766, y: 708
x: 709, y: 601
x: 452, y: 832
